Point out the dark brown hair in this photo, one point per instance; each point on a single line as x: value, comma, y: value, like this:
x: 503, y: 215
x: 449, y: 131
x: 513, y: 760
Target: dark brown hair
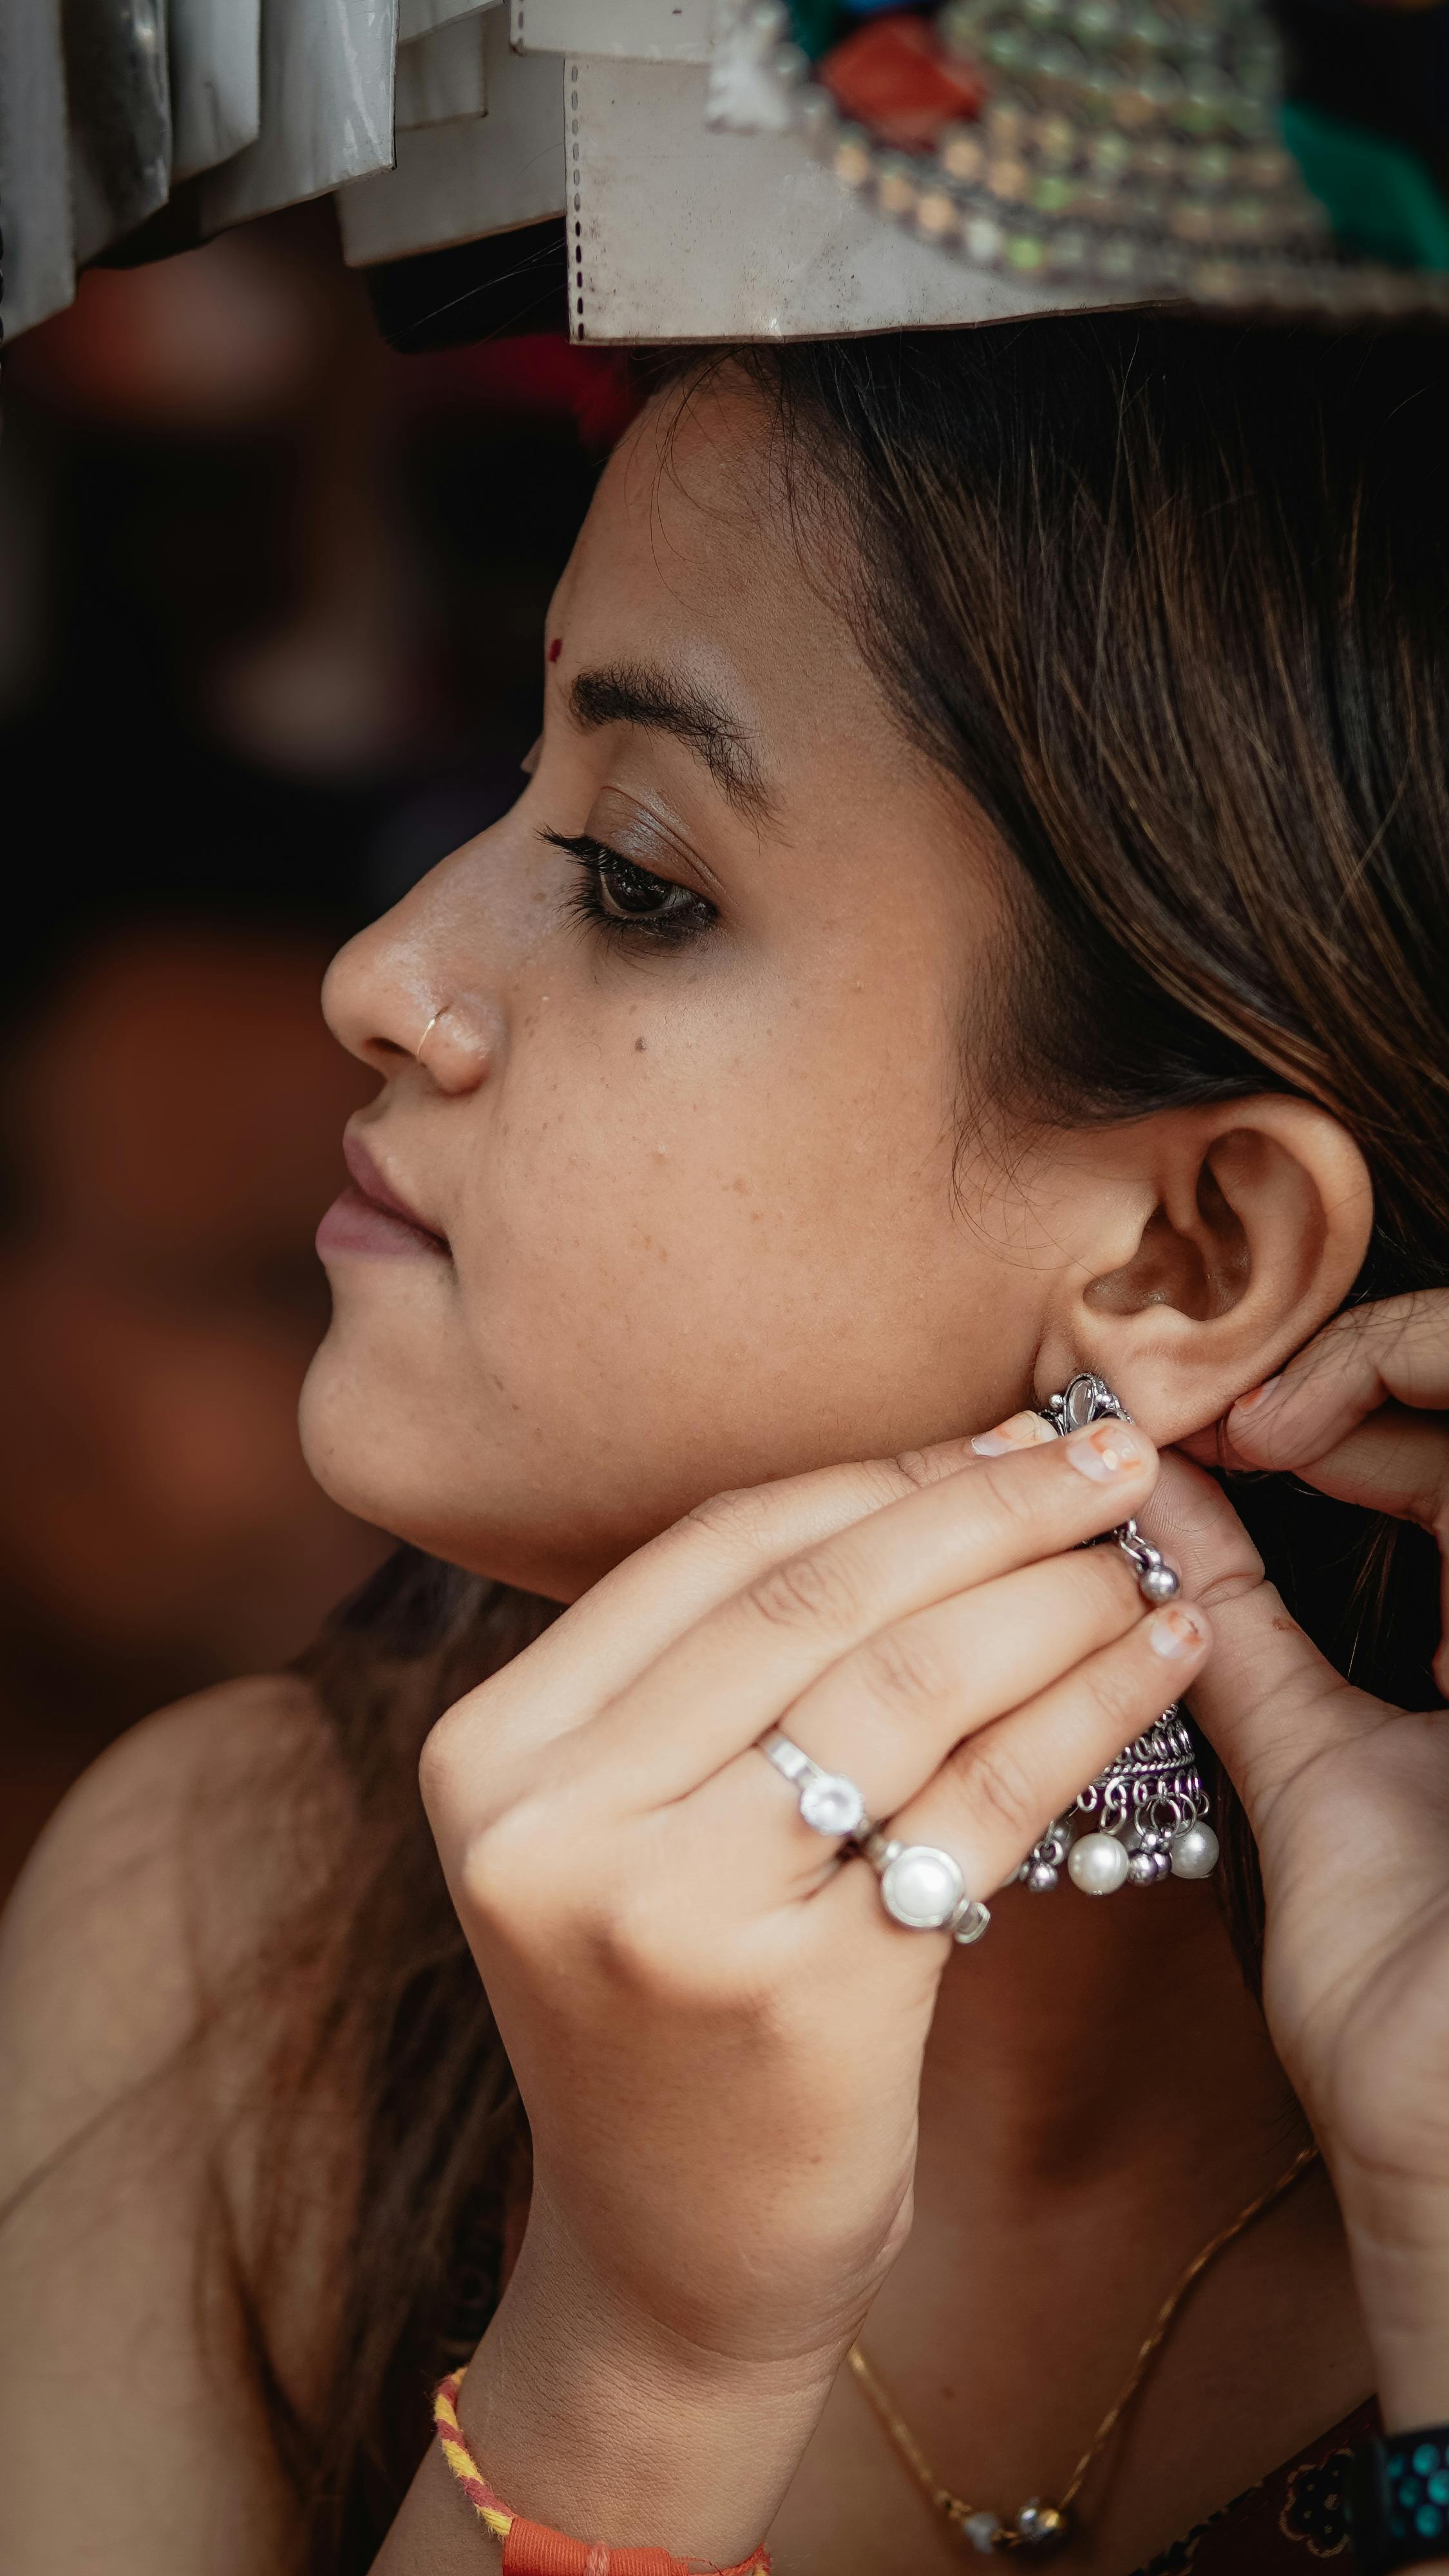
x: 1167, y: 601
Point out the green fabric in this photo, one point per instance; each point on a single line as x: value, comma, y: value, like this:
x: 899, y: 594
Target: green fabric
x: 1380, y: 196
x: 813, y: 25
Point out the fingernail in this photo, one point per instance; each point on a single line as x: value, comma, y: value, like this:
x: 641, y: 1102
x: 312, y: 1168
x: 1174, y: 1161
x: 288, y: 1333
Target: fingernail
x: 1256, y: 1394
x: 1018, y: 1431
x: 1106, y: 1451
x: 1176, y: 1632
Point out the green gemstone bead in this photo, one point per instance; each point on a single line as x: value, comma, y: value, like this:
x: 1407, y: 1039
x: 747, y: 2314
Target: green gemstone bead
x: 813, y: 25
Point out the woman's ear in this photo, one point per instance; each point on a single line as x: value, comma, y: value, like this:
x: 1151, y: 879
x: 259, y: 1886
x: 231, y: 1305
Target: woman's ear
x: 1224, y: 1236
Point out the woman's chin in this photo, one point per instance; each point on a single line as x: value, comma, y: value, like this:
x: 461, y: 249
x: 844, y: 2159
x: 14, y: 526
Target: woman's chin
x: 354, y: 1445
x: 371, y: 1457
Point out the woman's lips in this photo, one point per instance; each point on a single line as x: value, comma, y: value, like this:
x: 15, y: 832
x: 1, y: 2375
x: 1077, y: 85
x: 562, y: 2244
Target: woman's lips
x: 371, y: 1218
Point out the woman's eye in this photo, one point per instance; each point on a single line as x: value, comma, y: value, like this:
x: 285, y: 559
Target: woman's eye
x: 619, y: 895
x: 631, y: 893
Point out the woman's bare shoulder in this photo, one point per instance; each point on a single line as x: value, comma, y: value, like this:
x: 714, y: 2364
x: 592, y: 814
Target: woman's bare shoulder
x: 126, y: 2085
x: 157, y: 1875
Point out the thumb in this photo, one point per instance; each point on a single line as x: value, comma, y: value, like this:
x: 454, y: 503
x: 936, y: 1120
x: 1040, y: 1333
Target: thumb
x: 1267, y: 1700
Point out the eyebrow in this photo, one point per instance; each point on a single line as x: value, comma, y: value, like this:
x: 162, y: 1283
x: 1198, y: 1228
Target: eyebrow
x: 639, y: 693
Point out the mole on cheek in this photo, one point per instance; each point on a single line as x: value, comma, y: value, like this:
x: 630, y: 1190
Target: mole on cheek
x: 639, y: 1048
x: 555, y: 648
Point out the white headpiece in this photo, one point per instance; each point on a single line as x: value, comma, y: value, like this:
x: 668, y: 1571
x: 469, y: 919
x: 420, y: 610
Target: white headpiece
x: 719, y: 180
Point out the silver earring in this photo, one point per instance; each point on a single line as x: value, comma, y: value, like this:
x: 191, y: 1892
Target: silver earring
x: 1146, y: 1815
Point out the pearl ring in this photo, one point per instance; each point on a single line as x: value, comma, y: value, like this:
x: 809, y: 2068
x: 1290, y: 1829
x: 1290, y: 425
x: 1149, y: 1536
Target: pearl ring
x: 829, y: 1803
x: 923, y: 1888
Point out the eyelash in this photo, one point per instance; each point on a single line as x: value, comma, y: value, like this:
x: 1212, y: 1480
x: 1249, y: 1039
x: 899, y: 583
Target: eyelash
x: 687, y: 920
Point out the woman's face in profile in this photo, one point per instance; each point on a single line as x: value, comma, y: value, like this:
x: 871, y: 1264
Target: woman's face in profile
x: 687, y: 1122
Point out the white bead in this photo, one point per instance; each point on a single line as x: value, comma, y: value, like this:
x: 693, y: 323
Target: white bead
x: 922, y: 1887
x: 981, y: 2530
x: 1098, y: 1864
x: 1194, y: 1852
x: 832, y: 1805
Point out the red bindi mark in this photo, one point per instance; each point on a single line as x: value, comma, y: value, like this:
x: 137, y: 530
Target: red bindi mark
x: 555, y: 648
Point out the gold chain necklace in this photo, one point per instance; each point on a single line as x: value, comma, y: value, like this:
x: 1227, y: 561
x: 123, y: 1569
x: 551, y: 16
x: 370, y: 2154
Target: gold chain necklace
x: 1040, y: 2524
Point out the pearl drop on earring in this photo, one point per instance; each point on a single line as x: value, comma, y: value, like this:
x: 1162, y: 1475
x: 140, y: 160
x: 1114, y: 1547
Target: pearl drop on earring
x: 1159, y: 1583
x: 1194, y: 1852
x: 1098, y: 1864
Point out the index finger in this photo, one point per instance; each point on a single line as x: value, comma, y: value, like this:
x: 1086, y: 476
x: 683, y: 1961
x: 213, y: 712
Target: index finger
x: 737, y: 1644
x: 625, y: 1620
x: 716, y: 1688
x: 1267, y: 1700
x: 1395, y: 1351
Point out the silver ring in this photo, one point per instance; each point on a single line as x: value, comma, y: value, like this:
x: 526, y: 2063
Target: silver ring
x: 829, y: 1803
x: 923, y: 1888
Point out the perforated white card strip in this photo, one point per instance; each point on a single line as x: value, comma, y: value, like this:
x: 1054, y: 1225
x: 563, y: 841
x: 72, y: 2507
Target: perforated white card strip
x: 420, y: 17
x: 327, y: 68
x: 118, y: 99
x: 646, y: 31
x: 678, y: 233
x: 215, y: 52
x: 35, y: 208
x: 478, y: 175
x: 441, y: 76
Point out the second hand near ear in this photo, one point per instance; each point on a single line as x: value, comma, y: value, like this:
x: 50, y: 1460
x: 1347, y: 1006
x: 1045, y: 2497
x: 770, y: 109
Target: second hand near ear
x: 1348, y: 1799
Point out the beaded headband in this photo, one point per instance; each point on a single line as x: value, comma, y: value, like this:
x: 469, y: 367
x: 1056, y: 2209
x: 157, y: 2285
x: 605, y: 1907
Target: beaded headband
x: 1151, y: 150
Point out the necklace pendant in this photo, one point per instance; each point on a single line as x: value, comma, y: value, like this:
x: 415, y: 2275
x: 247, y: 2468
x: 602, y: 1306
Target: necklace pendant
x: 1039, y: 2525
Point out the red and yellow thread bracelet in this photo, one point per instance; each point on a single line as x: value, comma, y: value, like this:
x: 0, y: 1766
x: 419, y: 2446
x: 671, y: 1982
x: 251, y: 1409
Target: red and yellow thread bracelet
x: 530, y: 2548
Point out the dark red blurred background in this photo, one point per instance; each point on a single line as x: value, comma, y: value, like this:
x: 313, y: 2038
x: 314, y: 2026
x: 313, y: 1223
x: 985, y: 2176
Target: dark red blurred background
x: 270, y: 607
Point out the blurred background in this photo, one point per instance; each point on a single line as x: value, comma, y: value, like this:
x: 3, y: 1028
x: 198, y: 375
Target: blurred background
x: 270, y: 610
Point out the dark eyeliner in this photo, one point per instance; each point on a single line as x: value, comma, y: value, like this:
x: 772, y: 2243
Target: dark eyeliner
x: 679, y: 916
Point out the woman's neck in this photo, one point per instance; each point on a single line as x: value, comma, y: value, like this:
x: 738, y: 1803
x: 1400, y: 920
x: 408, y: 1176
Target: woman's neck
x: 1100, y: 2096
x: 1089, y: 2039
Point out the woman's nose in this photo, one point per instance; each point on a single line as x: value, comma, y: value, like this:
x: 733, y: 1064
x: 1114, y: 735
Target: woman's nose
x: 391, y: 1001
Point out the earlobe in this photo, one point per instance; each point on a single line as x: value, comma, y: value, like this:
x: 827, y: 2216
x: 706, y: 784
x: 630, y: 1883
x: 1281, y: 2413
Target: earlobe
x: 1227, y: 1236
